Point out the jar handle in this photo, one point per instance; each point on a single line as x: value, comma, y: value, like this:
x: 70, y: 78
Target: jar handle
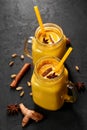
x: 71, y: 98
x: 28, y: 47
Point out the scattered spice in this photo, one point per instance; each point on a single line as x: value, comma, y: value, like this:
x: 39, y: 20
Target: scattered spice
x: 20, y: 75
x: 13, y: 76
x: 29, y: 84
x: 80, y: 86
x: 14, y: 55
x: 19, y: 88
x: 22, y: 93
x: 13, y: 109
x: 77, y: 68
x: 11, y: 63
x: 22, y: 57
x: 31, y: 37
x: 46, y: 72
x: 30, y: 41
x: 29, y: 114
x: 30, y: 94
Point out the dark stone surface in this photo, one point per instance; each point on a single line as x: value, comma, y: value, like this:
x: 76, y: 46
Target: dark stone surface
x: 17, y: 21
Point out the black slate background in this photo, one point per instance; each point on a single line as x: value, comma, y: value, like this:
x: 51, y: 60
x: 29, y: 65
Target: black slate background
x: 18, y: 21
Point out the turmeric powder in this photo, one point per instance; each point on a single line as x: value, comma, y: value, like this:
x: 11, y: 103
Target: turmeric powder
x: 29, y: 114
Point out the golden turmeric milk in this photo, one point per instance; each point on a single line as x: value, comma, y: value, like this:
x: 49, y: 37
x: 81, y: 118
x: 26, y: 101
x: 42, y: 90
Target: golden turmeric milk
x: 52, y: 42
x: 49, y: 92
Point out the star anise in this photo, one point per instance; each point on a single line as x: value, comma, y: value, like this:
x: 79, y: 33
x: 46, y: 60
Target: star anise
x: 13, y: 109
x: 80, y: 86
x: 45, y: 40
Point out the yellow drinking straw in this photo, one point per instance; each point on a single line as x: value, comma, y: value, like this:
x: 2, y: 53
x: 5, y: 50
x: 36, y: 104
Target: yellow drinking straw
x: 64, y: 58
x: 37, y: 12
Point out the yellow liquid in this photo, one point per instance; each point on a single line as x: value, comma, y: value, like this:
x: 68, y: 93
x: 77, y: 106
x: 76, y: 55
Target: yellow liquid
x: 56, y: 45
x: 49, y: 93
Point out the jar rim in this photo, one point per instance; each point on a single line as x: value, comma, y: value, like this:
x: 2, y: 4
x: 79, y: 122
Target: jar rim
x: 57, y: 27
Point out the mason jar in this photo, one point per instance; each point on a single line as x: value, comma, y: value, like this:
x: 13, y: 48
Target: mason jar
x: 50, y: 92
x: 51, y: 42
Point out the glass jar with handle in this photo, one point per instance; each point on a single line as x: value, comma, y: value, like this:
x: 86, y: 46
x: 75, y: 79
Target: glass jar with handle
x: 50, y: 89
x: 51, y: 42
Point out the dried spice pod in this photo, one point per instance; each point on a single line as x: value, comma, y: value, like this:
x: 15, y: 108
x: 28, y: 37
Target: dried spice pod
x: 14, y: 55
x: 13, y: 109
x: 77, y: 68
x: 80, y: 86
x: 30, y: 93
x: 11, y: 63
x: 22, y: 57
x: 31, y: 37
x: 19, y: 88
x: 13, y: 76
x: 29, y: 84
x: 22, y: 93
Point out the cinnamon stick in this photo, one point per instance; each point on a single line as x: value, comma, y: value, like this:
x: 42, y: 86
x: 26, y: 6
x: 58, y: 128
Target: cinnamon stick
x: 20, y: 75
x: 46, y: 72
